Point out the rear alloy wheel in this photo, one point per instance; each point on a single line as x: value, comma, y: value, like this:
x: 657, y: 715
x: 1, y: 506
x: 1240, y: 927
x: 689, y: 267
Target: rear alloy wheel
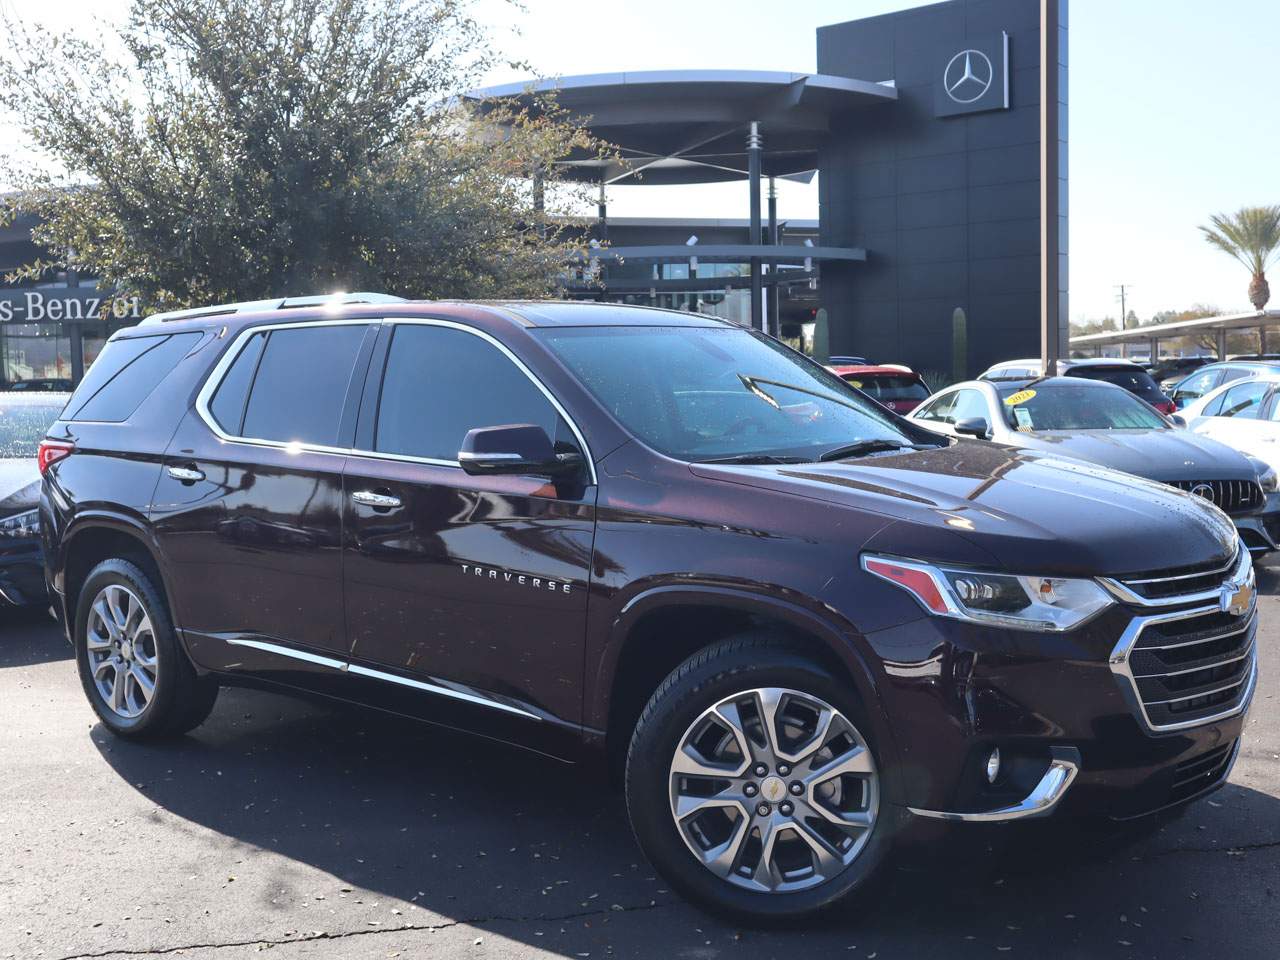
x: 121, y: 647
x: 774, y: 790
x: 133, y: 669
x: 753, y: 786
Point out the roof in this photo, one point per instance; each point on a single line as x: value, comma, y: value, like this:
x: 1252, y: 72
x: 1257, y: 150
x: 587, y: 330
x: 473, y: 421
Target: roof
x: 1161, y: 331
x: 689, y: 126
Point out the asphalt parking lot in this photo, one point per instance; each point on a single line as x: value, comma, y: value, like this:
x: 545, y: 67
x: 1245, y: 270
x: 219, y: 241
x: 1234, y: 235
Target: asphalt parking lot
x: 321, y: 831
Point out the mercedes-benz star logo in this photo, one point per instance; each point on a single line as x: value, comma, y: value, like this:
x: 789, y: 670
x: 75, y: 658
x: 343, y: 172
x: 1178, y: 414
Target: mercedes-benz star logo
x: 968, y: 76
x: 1204, y: 491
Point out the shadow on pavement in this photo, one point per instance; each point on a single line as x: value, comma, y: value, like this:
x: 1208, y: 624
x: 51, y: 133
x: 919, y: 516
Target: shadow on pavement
x: 483, y: 833
x: 29, y: 636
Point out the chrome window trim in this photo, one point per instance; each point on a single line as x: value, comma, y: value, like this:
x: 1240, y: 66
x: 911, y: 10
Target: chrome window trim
x: 1119, y: 662
x: 215, y: 378
x: 344, y: 666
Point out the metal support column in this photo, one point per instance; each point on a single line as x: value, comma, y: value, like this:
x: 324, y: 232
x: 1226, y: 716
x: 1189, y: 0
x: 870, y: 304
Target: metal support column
x: 1050, y: 271
x: 1222, y: 343
x: 1262, y: 340
x: 773, y: 323
x: 602, y: 215
x: 754, y: 149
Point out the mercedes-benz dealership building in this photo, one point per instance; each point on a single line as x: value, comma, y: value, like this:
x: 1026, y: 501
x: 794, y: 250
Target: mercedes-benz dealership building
x: 922, y: 127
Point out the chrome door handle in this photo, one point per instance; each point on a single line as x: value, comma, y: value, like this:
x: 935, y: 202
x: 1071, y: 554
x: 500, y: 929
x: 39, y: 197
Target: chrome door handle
x: 186, y: 474
x: 370, y: 499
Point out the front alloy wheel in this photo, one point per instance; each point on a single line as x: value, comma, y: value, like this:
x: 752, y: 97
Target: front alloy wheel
x: 774, y: 790
x: 753, y: 785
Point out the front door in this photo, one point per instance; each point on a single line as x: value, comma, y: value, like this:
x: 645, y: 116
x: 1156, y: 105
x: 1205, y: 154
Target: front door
x: 465, y: 596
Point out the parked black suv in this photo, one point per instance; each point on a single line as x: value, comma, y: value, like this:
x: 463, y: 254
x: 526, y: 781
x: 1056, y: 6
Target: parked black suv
x: 795, y: 620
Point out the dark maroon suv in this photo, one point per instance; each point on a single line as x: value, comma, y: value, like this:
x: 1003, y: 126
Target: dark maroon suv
x: 797, y: 622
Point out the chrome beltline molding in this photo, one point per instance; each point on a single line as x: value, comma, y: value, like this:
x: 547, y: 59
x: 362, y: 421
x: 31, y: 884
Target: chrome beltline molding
x: 344, y: 666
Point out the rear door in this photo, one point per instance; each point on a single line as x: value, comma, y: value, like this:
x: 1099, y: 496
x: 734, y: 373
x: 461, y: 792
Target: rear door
x: 249, y: 507
x: 466, y: 596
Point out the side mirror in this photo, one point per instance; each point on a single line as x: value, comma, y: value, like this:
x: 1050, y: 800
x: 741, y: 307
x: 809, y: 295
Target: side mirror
x: 518, y: 448
x: 973, y: 427
x: 1177, y: 419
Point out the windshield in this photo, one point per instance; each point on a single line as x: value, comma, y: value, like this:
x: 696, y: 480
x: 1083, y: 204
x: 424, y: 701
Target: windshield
x: 1067, y: 407
x: 24, y: 418
x: 709, y: 393
x: 1134, y: 380
x: 888, y: 387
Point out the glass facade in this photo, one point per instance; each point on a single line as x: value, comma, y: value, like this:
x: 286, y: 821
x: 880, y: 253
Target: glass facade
x: 50, y: 336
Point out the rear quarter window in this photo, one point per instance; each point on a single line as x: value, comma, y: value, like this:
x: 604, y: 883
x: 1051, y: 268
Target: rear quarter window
x: 125, y: 374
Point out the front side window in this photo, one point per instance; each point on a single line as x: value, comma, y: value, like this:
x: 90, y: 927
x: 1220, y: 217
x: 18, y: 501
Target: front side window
x: 939, y: 410
x: 441, y: 382
x: 716, y: 393
x: 300, y: 388
x: 1197, y: 385
x: 1068, y: 407
x: 1243, y: 402
x: 969, y: 404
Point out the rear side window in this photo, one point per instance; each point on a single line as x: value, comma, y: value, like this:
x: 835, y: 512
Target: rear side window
x: 440, y: 383
x: 301, y: 385
x: 124, y: 375
x: 233, y: 392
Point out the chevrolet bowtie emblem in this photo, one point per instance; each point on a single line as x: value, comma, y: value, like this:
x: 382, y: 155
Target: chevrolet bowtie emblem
x: 1235, y: 598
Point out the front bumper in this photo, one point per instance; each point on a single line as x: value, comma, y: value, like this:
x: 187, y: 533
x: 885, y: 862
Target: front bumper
x: 1260, y: 530
x: 954, y: 691
x: 22, y: 573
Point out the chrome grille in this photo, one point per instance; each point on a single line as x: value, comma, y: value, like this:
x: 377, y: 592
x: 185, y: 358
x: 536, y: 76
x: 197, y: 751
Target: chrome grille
x: 1193, y: 584
x: 1187, y: 668
x: 1231, y: 496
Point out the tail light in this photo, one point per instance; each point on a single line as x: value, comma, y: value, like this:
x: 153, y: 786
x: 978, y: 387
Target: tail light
x: 51, y: 451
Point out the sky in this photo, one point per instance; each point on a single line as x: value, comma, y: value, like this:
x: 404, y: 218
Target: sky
x: 1173, y: 117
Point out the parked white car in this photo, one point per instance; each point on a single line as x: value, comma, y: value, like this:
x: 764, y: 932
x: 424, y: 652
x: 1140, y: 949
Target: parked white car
x: 1244, y: 415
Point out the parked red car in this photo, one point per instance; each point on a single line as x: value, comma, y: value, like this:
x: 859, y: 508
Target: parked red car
x: 896, y: 387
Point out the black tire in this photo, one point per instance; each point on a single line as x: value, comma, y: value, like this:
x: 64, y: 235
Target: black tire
x: 181, y: 699
x: 721, y: 671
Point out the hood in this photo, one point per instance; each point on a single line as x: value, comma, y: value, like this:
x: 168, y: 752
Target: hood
x: 19, y: 486
x: 1162, y: 455
x: 1031, y: 513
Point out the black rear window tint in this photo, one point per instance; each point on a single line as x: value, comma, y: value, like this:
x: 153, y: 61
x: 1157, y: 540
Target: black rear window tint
x: 128, y: 376
x: 1135, y: 381
x: 301, y: 386
x: 229, y: 399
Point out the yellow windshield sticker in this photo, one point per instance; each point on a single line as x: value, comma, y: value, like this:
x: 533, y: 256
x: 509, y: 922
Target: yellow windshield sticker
x: 1022, y: 396
x: 855, y: 383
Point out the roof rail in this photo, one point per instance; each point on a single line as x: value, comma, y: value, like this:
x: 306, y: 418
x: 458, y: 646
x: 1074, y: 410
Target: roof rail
x: 282, y: 303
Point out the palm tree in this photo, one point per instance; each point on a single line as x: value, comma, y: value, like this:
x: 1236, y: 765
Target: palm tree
x: 1252, y: 236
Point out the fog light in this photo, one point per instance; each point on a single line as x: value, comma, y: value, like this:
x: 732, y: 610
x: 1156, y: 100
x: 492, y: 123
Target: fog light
x: 993, y: 765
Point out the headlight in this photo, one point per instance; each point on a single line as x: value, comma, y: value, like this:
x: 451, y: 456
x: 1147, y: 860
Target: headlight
x: 1024, y: 603
x: 1267, y: 480
x: 20, y: 526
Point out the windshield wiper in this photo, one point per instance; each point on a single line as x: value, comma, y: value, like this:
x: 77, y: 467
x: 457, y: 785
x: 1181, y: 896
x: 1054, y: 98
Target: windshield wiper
x: 748, y: 458
x: 862, y: 447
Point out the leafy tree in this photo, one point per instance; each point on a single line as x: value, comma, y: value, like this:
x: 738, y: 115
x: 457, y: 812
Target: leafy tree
x: 1252, y: 236
x: 243, y: 149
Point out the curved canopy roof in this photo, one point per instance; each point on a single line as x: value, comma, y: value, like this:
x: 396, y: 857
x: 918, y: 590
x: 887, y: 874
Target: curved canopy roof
x: 690, y: 126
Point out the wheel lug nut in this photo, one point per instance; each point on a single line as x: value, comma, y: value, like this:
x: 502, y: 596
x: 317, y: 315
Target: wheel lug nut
x: 797, y: 788
x: 750, y: 789
x: 783, y: 769
x: 786, y: 809
x: 763, y: 809
x: 761, y: 770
